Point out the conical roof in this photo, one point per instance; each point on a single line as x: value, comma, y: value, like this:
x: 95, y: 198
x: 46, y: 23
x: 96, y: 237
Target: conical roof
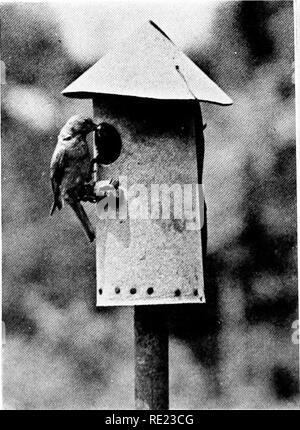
x: 147, y: 65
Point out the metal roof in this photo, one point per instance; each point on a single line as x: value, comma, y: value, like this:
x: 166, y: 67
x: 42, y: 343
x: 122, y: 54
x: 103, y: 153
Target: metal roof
x: 148, y: 65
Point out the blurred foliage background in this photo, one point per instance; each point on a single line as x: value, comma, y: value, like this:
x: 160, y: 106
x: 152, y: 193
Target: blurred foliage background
x: 237, y: 350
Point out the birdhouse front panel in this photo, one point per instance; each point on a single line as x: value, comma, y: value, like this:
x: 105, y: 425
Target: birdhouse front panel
x: 149, y: 250
x: 149, y: 90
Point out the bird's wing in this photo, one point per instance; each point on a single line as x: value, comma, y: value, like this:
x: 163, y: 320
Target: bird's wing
x: 57, y: 168
x: 57, y: 165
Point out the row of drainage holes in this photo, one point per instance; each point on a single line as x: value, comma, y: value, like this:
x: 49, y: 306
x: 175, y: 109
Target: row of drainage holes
x: 150, y: 291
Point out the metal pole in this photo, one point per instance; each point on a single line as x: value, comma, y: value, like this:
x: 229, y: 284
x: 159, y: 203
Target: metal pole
x: 151, y: 358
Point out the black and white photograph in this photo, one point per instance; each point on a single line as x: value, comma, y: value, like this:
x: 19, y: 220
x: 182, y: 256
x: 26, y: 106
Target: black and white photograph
x: 148, y: 207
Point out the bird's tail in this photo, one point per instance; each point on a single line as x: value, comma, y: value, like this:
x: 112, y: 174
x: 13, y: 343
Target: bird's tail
x: 56, y: 204
x: 83, y: 218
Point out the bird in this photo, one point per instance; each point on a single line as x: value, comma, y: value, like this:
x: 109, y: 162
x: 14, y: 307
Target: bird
x: 70, y: 168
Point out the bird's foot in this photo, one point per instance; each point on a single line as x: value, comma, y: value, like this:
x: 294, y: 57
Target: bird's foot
x: 115, y: 183
x: 89, y: 193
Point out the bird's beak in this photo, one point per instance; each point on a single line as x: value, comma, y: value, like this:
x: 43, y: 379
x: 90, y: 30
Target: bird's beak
x: 96, y: 126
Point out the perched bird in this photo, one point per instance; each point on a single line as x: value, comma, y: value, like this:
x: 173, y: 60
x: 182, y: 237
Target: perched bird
x: 70, y: 168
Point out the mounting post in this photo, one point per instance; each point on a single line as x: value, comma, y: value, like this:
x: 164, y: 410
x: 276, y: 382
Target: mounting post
x: 151, y: 358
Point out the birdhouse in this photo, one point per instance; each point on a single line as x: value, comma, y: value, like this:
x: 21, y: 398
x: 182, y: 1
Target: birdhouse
x: 150, y: 251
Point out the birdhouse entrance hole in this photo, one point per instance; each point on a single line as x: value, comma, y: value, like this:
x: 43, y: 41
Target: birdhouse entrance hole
x: 108, y: 144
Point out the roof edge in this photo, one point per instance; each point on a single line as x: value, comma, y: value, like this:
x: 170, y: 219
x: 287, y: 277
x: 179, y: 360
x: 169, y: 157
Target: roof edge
x: 160, y: 30
x: 91, y: 95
